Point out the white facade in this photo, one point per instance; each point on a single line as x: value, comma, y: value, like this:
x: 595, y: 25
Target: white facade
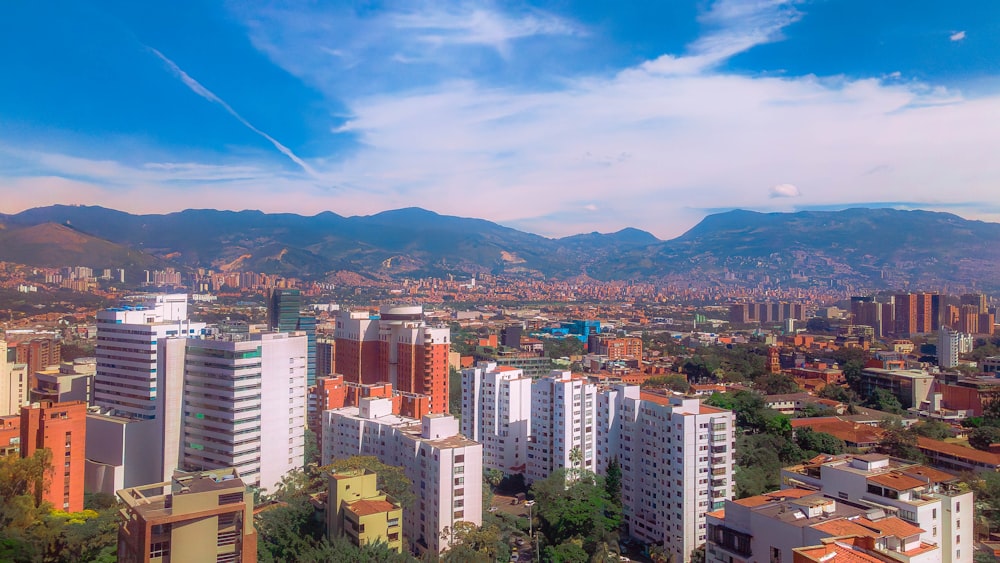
x: 13, y: 384
x: 947, y: 348
x: 122, y: 452
x: 496, y: 411
x: 130, y: 375
x: 676, y: 457
x: 563, y: 424
x: 244, y: 406
x: 445, y: 467
x: 917, y: 494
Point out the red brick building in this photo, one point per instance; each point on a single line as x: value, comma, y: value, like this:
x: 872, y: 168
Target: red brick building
x: 62, y: 428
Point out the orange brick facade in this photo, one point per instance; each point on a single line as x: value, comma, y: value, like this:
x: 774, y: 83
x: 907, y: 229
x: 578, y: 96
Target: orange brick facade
x: 60, y: 427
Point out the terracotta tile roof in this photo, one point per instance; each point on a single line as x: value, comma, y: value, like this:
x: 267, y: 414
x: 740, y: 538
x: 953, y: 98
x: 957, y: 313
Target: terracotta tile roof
x: 958, y: 451
x: 751, y: 502
x: 655, y: 398
x: 896, y: 481
x: 891, y: 526
x: 721, y: 514
x: 929, y: 473
x: 705, y: 409
x: 839, y: 555
x: 791, y: 493
x: 844, y: 527
x: 369, y: 507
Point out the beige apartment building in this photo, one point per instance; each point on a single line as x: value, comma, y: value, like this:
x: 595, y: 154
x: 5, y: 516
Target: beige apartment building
x: 198, y: 517
x: 357, y: 509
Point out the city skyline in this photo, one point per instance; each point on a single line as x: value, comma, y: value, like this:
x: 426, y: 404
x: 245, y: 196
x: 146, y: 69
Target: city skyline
x: 552, y: 118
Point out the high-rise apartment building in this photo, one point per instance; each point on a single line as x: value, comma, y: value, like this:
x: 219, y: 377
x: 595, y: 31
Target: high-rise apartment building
x: 326, y: 356
x: 949, y: 343
x: 923, y: 496
x: 14, y: 384
x: 396, y: 347
x: 445, y: 467
x: 676, y: 457
x: 62, y: 429
x: 563, y: 425
x: 245, y: 406
x: 37, y: 352
x: 496, y: 412
x: 200, y: 517
x: 917, y: 313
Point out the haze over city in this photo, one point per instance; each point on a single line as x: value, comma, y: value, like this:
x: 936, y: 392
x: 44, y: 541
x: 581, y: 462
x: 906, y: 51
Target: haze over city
x: 551, y: 117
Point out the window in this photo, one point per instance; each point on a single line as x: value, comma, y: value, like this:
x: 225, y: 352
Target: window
x: 934, y: 513
x: 775, y: 555
x: 159, y: 549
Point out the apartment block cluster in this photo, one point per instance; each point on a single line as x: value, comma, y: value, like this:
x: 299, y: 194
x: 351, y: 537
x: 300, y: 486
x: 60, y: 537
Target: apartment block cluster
x: 676, y: 454
x: 852, y: 507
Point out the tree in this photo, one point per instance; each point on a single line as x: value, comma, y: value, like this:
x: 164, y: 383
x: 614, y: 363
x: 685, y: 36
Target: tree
x: 674, y: 382
x: 568, y: 552
x: 493, y: 476
x: 455, y: 392
x: 391, y: 479
x: 613, y: 480
x: 933, y: 429
x: 563, y: 347
x: 898, y: 441
x: 777, y: 384
x: 982, y: 438
x: 575, y: 509
x: 819, y: 442
x: 884, y: 401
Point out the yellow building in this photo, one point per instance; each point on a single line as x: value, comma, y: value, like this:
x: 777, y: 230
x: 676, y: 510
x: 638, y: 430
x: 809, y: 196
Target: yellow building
x: 196, y: 517
x: 357, y: 509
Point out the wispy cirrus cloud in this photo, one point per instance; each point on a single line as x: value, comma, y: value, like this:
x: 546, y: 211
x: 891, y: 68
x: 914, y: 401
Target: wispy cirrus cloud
x: 204, y: 92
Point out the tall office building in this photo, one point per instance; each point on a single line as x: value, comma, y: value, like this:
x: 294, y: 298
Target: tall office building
x: 283, y: 307
x: 245, y: 406
x: 917, y: 313
x: 201, y: 517
x: 131, y: 375
x: 62, y: 429
x: 395, y: 347
x: 676, y: 457
x: 136, y: 438
x: 496, y: 412
x: 445, y: 467
x: 563, y: 425
x: 284, y: 314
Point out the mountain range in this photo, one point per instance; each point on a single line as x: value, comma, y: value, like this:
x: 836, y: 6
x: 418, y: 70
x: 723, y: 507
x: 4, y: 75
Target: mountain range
x: 854, y: 247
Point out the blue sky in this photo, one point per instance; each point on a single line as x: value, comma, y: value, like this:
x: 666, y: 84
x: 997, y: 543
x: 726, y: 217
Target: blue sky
x: 554, y: 117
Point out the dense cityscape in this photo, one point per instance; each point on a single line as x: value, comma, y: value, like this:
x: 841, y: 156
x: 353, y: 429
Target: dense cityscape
x: 491, y: 419
x: 545, y: 281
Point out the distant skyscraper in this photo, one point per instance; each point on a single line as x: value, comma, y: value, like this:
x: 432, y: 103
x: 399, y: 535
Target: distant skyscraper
x: 284, y: 314
x: 283, y: 308
x: 949, y: 342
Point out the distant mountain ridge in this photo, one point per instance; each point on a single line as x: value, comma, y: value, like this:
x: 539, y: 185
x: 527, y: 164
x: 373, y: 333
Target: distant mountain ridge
x: 861, y: 247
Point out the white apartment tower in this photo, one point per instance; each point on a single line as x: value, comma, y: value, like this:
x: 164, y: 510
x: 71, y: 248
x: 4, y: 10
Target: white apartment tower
x: 496, y: 411
x: 446, y: 468
x: 676, y: 457
x: 949, y: 343
x: 244, y: 405
x: 563, y: 425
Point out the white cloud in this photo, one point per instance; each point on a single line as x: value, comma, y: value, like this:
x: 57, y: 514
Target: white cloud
x: 590, y: 207
x: 197, y: 88
x: 957, y: 36
x: 465, y: 25
x: 784, y: 190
